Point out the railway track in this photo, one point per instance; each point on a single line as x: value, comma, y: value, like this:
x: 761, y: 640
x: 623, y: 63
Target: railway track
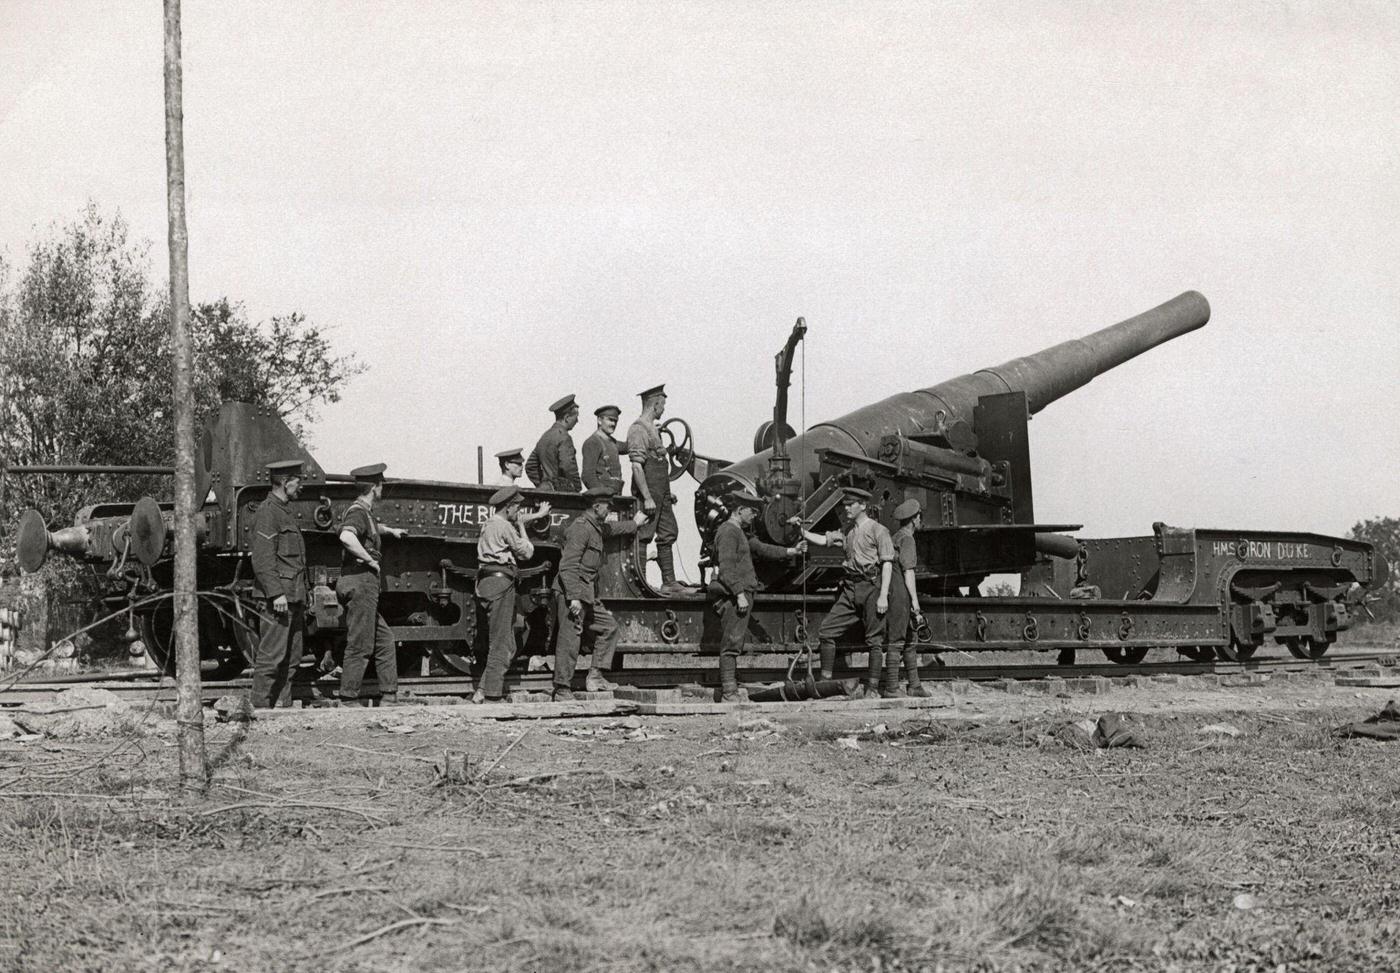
x: 142, y: 686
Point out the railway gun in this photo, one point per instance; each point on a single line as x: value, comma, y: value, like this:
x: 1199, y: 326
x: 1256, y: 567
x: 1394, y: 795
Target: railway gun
x: 961, y: 448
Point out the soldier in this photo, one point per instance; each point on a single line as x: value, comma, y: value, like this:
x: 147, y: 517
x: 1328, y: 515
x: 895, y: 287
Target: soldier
x: 512, y: 467
x: 864, y: 595
x: 732, y: 590
x: 553, y: 463
x: 905, y: 617
x: 602, y: 463
x: 358, y: 590
x: 279, y: 567
x: 652, y: 483
x: 501, y: 547
x: 579, y: 611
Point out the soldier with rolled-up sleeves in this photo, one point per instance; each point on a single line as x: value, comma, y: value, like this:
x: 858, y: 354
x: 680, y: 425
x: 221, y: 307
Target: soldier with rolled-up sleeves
x: 501, y: 546
x: 651, y: 482
x: 279, y: 569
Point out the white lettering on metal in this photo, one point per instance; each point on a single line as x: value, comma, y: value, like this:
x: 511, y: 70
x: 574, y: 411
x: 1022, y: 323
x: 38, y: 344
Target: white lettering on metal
x: 1247, y: 550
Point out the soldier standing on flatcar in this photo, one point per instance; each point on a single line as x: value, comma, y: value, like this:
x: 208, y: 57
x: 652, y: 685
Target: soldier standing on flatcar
x: 602, y: 463
x: 651, y: 482
x: 512, y: 467
x: 358, y: 590
x: 553, y: 463
x: 732, y: 590
x: 864, y: 595
x: 579, y: 611
x: 905, y: 617
x: 503, y: 544
x: 279, y: 568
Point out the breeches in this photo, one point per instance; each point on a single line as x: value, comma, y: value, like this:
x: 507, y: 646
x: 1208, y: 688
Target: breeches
x: 600, y: 630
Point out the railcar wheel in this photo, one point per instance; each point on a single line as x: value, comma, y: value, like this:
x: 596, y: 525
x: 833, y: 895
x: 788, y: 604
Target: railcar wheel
x: 453, y: 657
x: 1237, y: 652
x: 1196, y: 653
x: 1125, y: 656
x: 222, y: 654
x: 1306, y: 648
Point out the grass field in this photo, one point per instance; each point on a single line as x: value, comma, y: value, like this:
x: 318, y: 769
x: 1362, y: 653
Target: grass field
x: 971, y: 839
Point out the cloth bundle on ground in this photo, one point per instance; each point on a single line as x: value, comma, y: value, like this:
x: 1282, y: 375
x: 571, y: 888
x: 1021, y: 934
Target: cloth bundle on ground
x: 1111, y: 730
x: 1385, y: 725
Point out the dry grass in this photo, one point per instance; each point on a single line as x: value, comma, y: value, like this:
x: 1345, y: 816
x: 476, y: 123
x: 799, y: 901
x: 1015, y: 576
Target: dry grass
x: 712, y: 846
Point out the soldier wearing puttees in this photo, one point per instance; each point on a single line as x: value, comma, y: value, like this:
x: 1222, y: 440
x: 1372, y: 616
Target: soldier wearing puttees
x: 651, y: 482
x: 279, y: 568
x: 512, y: 467
x: 553, y: 463
x: 905, y: 616
x: 732, y: 590
x: 864, y: 595
x: 358, y: 590
x: 501, y: 547
x: 602, y: 461
x: 579, y: 611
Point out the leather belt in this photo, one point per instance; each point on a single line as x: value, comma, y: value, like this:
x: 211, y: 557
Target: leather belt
x: 495, y: 573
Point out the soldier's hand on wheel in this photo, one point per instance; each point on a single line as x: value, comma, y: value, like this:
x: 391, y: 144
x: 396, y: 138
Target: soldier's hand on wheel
x: 279, y: 604
x: 882, y: 604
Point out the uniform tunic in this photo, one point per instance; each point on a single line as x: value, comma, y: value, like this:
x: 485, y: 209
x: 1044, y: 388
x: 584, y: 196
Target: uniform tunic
x: 868, y: 545
x: 553, y: 463
x: 602, y: 464
x: 499, y: 548
x: 644, y: 447
x: 578, y: 581
x: 367, y: 633
x: 905, y: 559
x: 735, y: 550
x: 279, y: 568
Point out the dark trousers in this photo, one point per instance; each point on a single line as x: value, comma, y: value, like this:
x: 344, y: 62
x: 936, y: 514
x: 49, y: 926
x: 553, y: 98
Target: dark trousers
x: 855, y: 602
x: 497, y: 596
x: 278, y: 655
x: 367, y: 632
x: 733, y: 626
x: 599, y: 628
x: 897, y: 634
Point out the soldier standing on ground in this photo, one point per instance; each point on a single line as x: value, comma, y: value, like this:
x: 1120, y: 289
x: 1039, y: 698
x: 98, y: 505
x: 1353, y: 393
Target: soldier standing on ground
x: 553, y: 463
x: 602, y: 463
x: 732, y: 590
x: 358, y: 590
x: 864, y: 595
x: 501, y: 547
x: 651, y: 482
x: 905, y: 616
x: 279, y: 568
x: 512, y: 467
x: 579, y: 611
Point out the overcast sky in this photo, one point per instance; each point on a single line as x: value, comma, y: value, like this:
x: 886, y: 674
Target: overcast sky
x: 495, y: 204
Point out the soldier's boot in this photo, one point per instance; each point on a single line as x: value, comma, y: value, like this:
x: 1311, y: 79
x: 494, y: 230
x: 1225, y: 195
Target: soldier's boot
x: 827, y: 653
x: 562, y: 694
x: 889, y: 678
x: 666, y: 561
x: 597, y: 683
x: 911, y: 666
x: 729, y: 691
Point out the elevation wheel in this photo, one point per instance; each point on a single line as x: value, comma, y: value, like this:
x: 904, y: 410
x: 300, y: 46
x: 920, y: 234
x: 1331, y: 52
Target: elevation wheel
x: 1125, y: 656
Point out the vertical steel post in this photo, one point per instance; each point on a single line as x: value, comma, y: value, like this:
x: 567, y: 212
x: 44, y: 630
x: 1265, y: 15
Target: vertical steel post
x: 480, y: 465
x: 189, y: 706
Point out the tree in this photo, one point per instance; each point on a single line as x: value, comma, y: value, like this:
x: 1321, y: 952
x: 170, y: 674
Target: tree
x: 85, y: 367
x: 1384, y: 533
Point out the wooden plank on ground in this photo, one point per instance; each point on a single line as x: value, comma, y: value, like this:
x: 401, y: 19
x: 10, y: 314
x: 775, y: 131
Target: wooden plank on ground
x: 806, y: 706
x: 468, y: 711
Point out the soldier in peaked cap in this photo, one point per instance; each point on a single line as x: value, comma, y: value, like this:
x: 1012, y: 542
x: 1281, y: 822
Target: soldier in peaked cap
x: 579, y: 611
x: 279, y: 568
x: 732, y: 591
x: 905, y: 615
x: 651, y: 482
x: 512, y: 467
x: 864, y: 595
x: 358, y: 590
x: 553, y: 463
x: 500, y: 548
x: 602, y: 461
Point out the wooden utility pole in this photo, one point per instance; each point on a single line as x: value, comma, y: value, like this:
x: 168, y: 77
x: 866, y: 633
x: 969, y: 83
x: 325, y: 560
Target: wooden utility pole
x: 189, y: 712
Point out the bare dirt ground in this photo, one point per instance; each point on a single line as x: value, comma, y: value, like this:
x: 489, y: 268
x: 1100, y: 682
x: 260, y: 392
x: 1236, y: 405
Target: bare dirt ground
x: 967, y: 837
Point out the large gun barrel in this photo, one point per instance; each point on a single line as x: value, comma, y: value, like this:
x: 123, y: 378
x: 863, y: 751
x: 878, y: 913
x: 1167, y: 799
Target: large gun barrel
x: 1044, y: 377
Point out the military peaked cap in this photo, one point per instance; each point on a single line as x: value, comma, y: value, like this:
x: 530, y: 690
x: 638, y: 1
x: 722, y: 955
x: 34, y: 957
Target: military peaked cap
x: 505, y: 495
x: 745, y: 498
x: 511, y: 455
x: 600, y: 492
x: 855, y: 493
x: 654, y: 390
x: 563, y: 405
x: 907, y: 509
x: 374, y: 473
x: 285, y: 467
x: 605, y: 409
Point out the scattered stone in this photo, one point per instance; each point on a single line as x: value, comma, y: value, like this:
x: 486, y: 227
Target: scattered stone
x: 81, y: 711
x: 9, y: 729
x: 1245, y: 902
x: 1220, y: 729
x: 1088, y: 685
x: 1244, y: 680
x: 233, y: 708
x: 849, y: 743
